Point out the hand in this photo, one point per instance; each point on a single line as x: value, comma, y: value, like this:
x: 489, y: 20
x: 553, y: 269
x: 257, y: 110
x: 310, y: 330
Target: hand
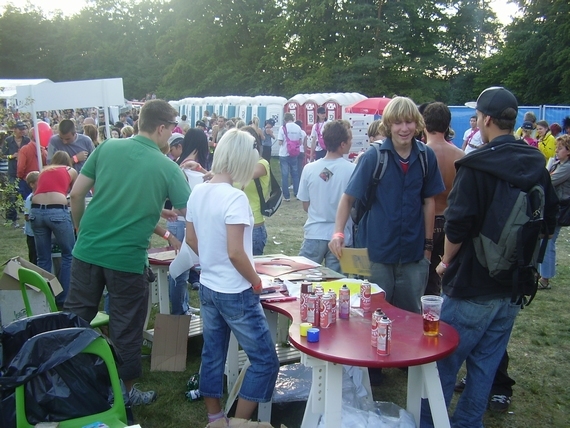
x: 258, y: 286
x: 81, y: 156
x: 174, y: 243
x: 15, y: 155
x: 190, y: 164
x: 208, y: 176
x: 335, y: 245
x: 169, y: 215
x: 440, y: 269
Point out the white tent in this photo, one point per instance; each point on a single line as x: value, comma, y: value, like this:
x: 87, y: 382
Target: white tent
x: 42, y: 94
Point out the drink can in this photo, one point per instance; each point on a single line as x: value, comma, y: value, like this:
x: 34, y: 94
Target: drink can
x: 384, y: 336
x: 334, y: 308
x: 305, y: 291
x: 365, y: 296
x: 193, y: 382
x: 193, y: 395
x: 344, y: 302
x: 376, y: 317
x: 326, y: 305
x: 313, y: 310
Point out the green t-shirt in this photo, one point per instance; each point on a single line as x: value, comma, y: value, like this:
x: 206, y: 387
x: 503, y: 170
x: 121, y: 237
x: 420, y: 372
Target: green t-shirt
x: 132, y: 181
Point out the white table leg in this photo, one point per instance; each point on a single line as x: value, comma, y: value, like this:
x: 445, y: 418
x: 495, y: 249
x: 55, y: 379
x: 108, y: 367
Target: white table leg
x: 423, y: 382
x: 232, y: 362
x: 163, y: 296
x: 325, y: 397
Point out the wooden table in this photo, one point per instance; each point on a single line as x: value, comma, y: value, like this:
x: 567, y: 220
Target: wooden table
x: 348, y: 342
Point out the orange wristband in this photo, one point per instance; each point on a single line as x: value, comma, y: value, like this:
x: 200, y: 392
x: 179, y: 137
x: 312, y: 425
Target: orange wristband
x: 75, y: 160
x: 338, y: 235
x: 166, y: 235
x: 258, y: 286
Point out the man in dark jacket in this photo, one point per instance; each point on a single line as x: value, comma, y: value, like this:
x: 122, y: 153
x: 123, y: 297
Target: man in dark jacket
x: 478, y: 306
x: 11, y: 150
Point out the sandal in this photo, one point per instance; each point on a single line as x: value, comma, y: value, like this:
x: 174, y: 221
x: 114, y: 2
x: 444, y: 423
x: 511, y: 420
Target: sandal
x: 543, y: 284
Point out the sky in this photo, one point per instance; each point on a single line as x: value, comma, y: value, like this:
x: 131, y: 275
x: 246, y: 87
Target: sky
x: 503, y: 9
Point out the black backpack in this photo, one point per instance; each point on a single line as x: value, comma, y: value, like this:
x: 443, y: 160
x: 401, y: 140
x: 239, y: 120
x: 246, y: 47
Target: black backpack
x: 269, y: 207
x: 362, y: 206
x: 509, y: 242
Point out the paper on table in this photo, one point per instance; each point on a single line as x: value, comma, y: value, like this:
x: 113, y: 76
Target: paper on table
x: 163, y: 255
x: 355, y: 261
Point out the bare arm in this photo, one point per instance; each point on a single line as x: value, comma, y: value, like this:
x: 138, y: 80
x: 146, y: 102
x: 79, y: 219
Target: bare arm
x: 306, y: 206
x: 77, y: 197
x: 342, y: 214
x: 172, y: 240
x: 259, y: 171
x: 429, y: 220
x: 450, y: 250
x: 191, y: 238
x: 237, y: 254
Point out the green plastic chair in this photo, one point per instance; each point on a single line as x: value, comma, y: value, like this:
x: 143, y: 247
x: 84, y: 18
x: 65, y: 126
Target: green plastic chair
x: 115, y: 417
x: 30, y: 277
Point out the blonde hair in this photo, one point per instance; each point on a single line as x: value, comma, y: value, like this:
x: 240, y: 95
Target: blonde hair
x: 398, y: 110
x: 564, y: 140
x: 127, y: 131
x: 32, y: 177
x: 240, y: 124
x: 61, y: 158
x: 374, y: 129
x: 236, y: 155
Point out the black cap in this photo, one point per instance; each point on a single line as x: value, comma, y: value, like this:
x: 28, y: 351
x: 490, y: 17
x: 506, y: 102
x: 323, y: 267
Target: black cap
x: 200, y: 123
x: 495, y: 100
x: 321, y: 110
x: 21, y: 125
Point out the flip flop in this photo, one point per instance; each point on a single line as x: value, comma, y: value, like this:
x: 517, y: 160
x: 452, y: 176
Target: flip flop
x: 543, y: 284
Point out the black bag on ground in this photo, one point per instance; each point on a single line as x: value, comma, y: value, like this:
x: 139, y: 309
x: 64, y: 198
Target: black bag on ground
x: 60, y: 382
x: 269, y: 207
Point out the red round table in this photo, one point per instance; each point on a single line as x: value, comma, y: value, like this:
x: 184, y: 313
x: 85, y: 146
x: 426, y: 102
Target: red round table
x: 348, y: 342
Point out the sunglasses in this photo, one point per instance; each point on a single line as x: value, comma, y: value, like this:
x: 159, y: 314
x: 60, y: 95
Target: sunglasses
x: 172, y: 122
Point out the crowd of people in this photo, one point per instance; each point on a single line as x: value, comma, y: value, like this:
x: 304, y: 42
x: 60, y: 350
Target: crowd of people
x: 209, y: 182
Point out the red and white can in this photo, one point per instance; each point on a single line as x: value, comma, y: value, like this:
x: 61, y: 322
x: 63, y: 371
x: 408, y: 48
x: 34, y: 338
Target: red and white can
x: 344, y: 302
x: 365, y: 296
x: 313, y: 310
x: 334, y: 308
x: 305, y: 291
x: 326, y: 308
x: 376, y: 317
x: 384, y: 336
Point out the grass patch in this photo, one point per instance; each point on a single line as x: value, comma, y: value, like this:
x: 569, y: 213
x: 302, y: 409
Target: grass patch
x: 539, y: 348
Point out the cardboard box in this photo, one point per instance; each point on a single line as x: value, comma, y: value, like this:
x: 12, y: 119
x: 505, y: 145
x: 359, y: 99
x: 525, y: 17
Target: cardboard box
x: 170, y: 342
x: 11, y: 301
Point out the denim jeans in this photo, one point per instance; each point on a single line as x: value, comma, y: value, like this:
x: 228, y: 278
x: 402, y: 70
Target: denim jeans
x: 289, y: 165
x: 178, y: 287
x: 547, y: 268
x: 259, y: 238
x: 242, y: 315
x: 57, y: 221
x: 484, y: 325
x: 404, y: 284
x: 317, y: 250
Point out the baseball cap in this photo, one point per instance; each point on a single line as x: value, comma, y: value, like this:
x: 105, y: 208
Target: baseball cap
x: 321, y: 110
x: 527, y: 125
x: 176, y: 138
x: 21, y: 125
x: 200, y: 123
x: 494, y: 101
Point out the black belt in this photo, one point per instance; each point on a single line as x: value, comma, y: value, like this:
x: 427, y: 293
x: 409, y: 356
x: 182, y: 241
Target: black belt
x: 49, y: 206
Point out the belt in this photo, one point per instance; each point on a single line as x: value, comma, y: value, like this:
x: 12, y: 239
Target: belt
x: 49, y: 206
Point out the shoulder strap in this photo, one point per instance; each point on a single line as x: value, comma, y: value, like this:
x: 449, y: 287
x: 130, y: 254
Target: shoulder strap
x: 379, y: 171
x: 285, y: 132
x: 260, y: 193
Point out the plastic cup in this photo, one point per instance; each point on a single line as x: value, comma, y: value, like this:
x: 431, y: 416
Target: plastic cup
x: 431, y: 311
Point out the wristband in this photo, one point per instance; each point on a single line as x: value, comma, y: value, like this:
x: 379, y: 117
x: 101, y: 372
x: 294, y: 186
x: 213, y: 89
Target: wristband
x: 75, y: 160
x: 258, y: 286
x: 445, y: 265
x: 166, y: 235
x: 338, y: 235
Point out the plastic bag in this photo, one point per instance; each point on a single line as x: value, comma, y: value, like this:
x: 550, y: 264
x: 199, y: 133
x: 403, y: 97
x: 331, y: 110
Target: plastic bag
x: 60, y: 382
x: 356, y: 418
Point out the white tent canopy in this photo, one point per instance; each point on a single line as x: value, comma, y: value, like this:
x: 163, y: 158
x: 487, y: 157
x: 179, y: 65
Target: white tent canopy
x: 8, y: 86
x: 41, y: 94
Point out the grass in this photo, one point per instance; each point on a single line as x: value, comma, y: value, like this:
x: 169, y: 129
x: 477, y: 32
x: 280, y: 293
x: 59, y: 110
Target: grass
x: 539, y: 349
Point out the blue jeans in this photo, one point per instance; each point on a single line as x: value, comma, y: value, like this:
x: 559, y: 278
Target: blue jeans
x: 289, y: 164
x: 242, y: 315
x: 547, y: 268
x: 57, y: 221
x: 317, y: 250
x: 404, y: 284
x: 259, y: 238
x: 178, y: 287
x: 484, y: 325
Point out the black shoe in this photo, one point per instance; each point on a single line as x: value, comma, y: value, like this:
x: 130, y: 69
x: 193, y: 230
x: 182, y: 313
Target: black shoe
x: 460, y: 385
x: 499, y: 403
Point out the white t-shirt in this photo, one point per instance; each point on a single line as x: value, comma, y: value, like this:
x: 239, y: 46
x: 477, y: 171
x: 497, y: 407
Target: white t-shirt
x: 211, y: 207
x: 474, y: 141
x: 314, y: 136
x: 322, y: 184
x: 294, y: 132
x: 302, y: 148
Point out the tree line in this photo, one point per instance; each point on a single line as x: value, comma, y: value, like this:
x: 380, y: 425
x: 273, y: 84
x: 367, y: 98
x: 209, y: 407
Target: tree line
x: 425, y: 49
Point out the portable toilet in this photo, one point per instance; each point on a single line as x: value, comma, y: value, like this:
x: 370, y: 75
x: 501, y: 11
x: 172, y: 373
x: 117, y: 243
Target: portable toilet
x: 295, y: 106
x: 243, y: 109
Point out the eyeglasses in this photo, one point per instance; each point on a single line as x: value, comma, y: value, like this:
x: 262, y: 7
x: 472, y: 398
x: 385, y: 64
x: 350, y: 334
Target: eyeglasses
x: 172, y: 122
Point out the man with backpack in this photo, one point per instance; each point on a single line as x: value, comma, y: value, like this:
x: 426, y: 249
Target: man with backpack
x: 289, y: 140
x: 501, y: 203
x: 397, y: 230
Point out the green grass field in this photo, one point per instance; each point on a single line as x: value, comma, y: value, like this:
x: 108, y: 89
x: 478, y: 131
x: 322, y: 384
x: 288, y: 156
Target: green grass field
x: 539, y: 349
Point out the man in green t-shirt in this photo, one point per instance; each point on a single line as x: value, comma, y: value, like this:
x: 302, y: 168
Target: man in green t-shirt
x: 130, y: 187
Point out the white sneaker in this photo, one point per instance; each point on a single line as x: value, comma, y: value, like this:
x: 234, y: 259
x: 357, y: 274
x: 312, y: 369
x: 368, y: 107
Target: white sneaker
x: 192, y: 311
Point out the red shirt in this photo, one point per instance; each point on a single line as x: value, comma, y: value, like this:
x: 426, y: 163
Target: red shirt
x: 54, y: 180
x: 28, y: 159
